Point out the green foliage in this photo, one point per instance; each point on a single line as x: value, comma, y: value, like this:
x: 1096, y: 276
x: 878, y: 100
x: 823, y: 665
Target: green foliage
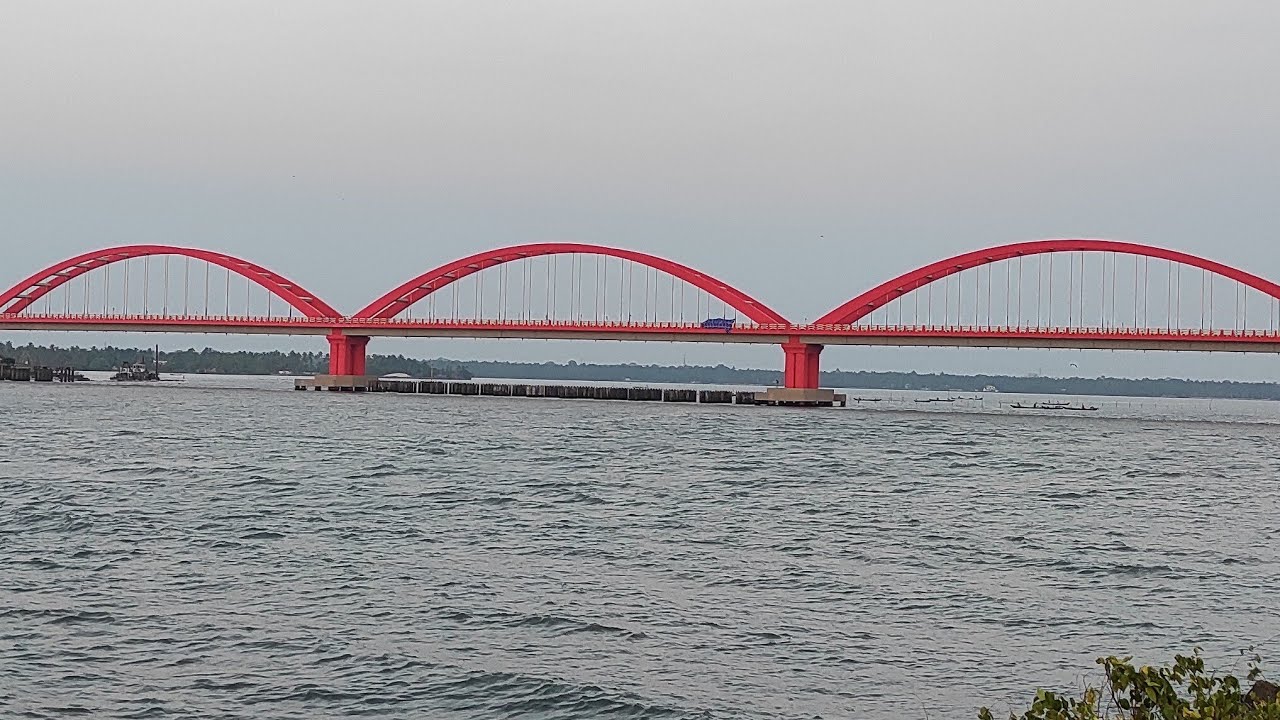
x: 1104, y: 386
x: 228, y: 363
x: 573, y: 370
x: 1182, y: 691
x: 721, y: 374
x: 267, y: 363
x: 443, y: 369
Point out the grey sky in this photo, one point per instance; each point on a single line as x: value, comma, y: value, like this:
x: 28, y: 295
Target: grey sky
x: 737, y: 137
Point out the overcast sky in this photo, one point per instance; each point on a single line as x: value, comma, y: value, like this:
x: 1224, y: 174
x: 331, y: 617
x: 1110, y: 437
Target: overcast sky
x: 350, y: 144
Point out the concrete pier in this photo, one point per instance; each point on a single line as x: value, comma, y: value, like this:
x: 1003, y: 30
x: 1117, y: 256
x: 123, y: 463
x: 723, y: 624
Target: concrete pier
x: 349, y: 383
x: 773, y: 396
x: 800, y: 397
x: 27, y: 373
x: 338, y: 383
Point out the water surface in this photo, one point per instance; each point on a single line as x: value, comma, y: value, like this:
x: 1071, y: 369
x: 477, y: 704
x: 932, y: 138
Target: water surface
x: 225, y: 547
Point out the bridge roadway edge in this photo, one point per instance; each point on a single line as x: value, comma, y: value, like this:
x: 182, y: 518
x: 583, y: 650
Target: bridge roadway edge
x: 940, y: 338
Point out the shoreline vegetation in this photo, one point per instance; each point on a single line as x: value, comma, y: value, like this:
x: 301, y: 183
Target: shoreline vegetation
x: 1182, y: 690
x: 210, y: 361
x: 218, y: 362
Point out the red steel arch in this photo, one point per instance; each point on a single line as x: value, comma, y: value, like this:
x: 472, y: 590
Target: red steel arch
x: 20, y: 296
x: 864, y: 304
x: 402, y: 297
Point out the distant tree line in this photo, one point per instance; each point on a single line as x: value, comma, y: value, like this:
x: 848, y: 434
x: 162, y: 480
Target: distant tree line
x: 572, y: 370
x: 725, y: 375
x: 270, y: 363
x: 1106, y: 386
x: 438, y: 368
x: 211, y: 361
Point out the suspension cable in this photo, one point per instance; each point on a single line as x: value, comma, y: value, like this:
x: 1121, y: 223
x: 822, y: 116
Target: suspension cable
x: 646, y: 294
x: 1083, y: 267
x: 946, y: 301
x: 915, y: 313
x: 1244, y: 306
x: 1071, y: 289
x: 1136, y: 285
x: 1019, y: 291
x: 1146, y: 291
x: 929, y: 289
x: 1049, y: 300
x: 1115, y: 272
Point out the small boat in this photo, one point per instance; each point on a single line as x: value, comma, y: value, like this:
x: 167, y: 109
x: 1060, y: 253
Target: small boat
x: 135, y: 373
x: 1053, y: 406
x: 1038, y: 406
x: 138, y: 371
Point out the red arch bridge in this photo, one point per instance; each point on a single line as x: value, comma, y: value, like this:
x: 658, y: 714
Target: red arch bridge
x: 1066, y: 293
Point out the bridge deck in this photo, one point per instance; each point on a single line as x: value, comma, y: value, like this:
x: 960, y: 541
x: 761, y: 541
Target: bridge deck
x: 824, y: 334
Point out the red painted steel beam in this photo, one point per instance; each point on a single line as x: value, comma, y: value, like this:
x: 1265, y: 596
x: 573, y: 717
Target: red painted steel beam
x: 21, y: 296
x: 808, y: 333
x: 802, y: 364
x: 396, y: 301
x: 347, y: 354
x: 866, y: 303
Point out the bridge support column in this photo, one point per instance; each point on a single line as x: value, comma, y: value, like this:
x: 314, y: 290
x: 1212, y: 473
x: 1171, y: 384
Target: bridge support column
x: 346, y: 354
x: 802, y: 365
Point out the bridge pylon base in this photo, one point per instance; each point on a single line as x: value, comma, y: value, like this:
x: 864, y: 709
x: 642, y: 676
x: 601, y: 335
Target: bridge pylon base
x: 803, y: 365
x: 801, y: 397
x: 346, y: 354
x: 338, y: 383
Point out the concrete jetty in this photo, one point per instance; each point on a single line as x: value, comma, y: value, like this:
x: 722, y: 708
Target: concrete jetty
x: 11, y: 371
x: 773, y: 396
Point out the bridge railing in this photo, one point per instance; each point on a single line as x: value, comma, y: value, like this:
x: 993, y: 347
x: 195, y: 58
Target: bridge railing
x: 1041, y: 330
x: 547, y: 323
x: 622, y: 325
x: 154, y: 317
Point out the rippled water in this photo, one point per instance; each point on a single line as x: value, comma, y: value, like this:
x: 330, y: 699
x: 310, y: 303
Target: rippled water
x: 202, y: 550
